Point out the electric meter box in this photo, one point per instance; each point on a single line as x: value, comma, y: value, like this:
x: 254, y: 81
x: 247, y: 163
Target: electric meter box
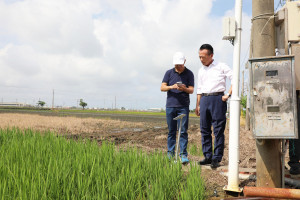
x: 228, y: 28
x: 273, y: 98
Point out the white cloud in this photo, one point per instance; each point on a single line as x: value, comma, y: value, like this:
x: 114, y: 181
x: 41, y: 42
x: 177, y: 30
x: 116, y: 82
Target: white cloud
x: 99, y: 50
x: 56, y: 27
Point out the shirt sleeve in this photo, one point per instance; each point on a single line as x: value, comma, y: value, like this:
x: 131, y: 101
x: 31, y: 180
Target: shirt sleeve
x: 166, y: 78
x: 227, y: 71
x: 191, y: 79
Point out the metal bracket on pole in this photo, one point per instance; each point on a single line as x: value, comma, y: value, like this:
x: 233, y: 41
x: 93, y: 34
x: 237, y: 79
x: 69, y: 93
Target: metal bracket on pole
x: 179, y: 117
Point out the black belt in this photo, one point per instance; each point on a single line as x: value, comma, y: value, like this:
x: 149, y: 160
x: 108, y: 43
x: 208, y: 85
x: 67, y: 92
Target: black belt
x: 213, y: 94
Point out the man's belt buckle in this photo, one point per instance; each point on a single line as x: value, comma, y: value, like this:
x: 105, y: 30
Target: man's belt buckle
x: 213, y: 94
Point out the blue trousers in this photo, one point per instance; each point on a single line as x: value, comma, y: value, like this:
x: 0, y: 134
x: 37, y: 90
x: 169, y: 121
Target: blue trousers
x: 173, y: 125
x: 212, y: 113
x: 294, y: 153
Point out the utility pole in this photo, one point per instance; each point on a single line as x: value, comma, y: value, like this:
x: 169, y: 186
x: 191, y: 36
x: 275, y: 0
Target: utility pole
x: 242, y: 93
x: 235, y: 112
x: 248, y: 123
x: 247, y: 127
x: 52, y: 99
x: 268, y: 163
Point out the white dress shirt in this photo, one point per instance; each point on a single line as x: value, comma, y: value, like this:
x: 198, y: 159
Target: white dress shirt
x: 213, y: 78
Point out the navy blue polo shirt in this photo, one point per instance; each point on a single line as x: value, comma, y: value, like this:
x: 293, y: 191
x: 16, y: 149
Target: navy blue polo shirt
x: 176, y: 98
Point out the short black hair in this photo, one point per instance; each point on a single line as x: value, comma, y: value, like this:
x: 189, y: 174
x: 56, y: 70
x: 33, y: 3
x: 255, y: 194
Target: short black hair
x: 208, y: 47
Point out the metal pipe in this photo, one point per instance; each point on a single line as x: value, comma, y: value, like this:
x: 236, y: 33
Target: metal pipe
x: 283, y: 143
x: 249, y: 198
x: 272, y: 192
x: 179, y: 133
x: 234, y: 128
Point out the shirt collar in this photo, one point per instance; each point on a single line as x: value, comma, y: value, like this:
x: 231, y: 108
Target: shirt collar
x: 181, y: 72
x: 214, y: 63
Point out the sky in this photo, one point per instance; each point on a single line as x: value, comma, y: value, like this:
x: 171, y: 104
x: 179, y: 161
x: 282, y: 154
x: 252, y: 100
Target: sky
x: 110, y: 53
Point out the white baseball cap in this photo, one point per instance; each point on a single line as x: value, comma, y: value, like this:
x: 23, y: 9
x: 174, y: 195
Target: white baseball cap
x: 178, y: 58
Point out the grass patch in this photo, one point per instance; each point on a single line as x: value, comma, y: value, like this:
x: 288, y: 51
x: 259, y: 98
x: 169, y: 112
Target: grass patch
x: 45, y: 166
x: 194, y: 150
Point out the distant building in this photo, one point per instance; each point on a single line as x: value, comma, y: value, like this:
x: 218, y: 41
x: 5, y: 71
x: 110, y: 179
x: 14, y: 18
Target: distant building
x: 154, y: 109
x: 15, y: 104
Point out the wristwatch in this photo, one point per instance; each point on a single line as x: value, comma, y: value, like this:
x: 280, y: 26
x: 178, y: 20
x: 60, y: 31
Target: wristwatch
x: 228, y: 94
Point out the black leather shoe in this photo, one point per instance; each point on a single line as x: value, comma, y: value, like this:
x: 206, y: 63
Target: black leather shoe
x: 214, y: 164
x: 295, y: 170
x: 205, y: 161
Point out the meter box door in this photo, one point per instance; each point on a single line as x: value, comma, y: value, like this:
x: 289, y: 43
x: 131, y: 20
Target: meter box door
x: 273, y: 98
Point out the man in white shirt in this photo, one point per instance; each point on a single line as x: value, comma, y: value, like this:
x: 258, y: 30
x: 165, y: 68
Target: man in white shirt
x: 211, y: 104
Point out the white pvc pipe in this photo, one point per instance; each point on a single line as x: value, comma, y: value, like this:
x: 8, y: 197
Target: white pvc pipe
x: 234, y: 129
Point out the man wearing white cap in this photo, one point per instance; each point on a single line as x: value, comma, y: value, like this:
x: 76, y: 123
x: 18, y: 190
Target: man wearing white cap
x: 178, y: 82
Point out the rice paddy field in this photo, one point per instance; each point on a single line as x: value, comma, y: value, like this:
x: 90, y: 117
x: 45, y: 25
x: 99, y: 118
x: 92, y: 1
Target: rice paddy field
x: 96, y: 155
x: 49, y: 158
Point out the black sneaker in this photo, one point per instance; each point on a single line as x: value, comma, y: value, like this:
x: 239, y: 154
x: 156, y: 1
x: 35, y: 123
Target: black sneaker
x: 205, y: 161
x: 214, y: 164
x: 295, y: 170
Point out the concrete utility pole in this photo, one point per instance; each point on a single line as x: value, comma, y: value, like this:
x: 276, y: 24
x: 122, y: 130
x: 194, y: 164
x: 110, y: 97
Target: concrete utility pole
x: 247, y: 127
x: 248, y: 123
x: 268, y: 165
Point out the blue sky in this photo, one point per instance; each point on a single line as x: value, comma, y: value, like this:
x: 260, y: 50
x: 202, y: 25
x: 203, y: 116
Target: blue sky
x: 102, y: 50
x: 221, y: 6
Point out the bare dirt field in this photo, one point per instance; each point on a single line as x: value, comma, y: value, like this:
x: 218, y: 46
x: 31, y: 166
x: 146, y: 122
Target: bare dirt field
x: 150, y: 136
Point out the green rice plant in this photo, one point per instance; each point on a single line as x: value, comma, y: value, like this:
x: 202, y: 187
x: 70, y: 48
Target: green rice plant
x: 194, y: 187
x: 194, y: 150
x: 44, y: 166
